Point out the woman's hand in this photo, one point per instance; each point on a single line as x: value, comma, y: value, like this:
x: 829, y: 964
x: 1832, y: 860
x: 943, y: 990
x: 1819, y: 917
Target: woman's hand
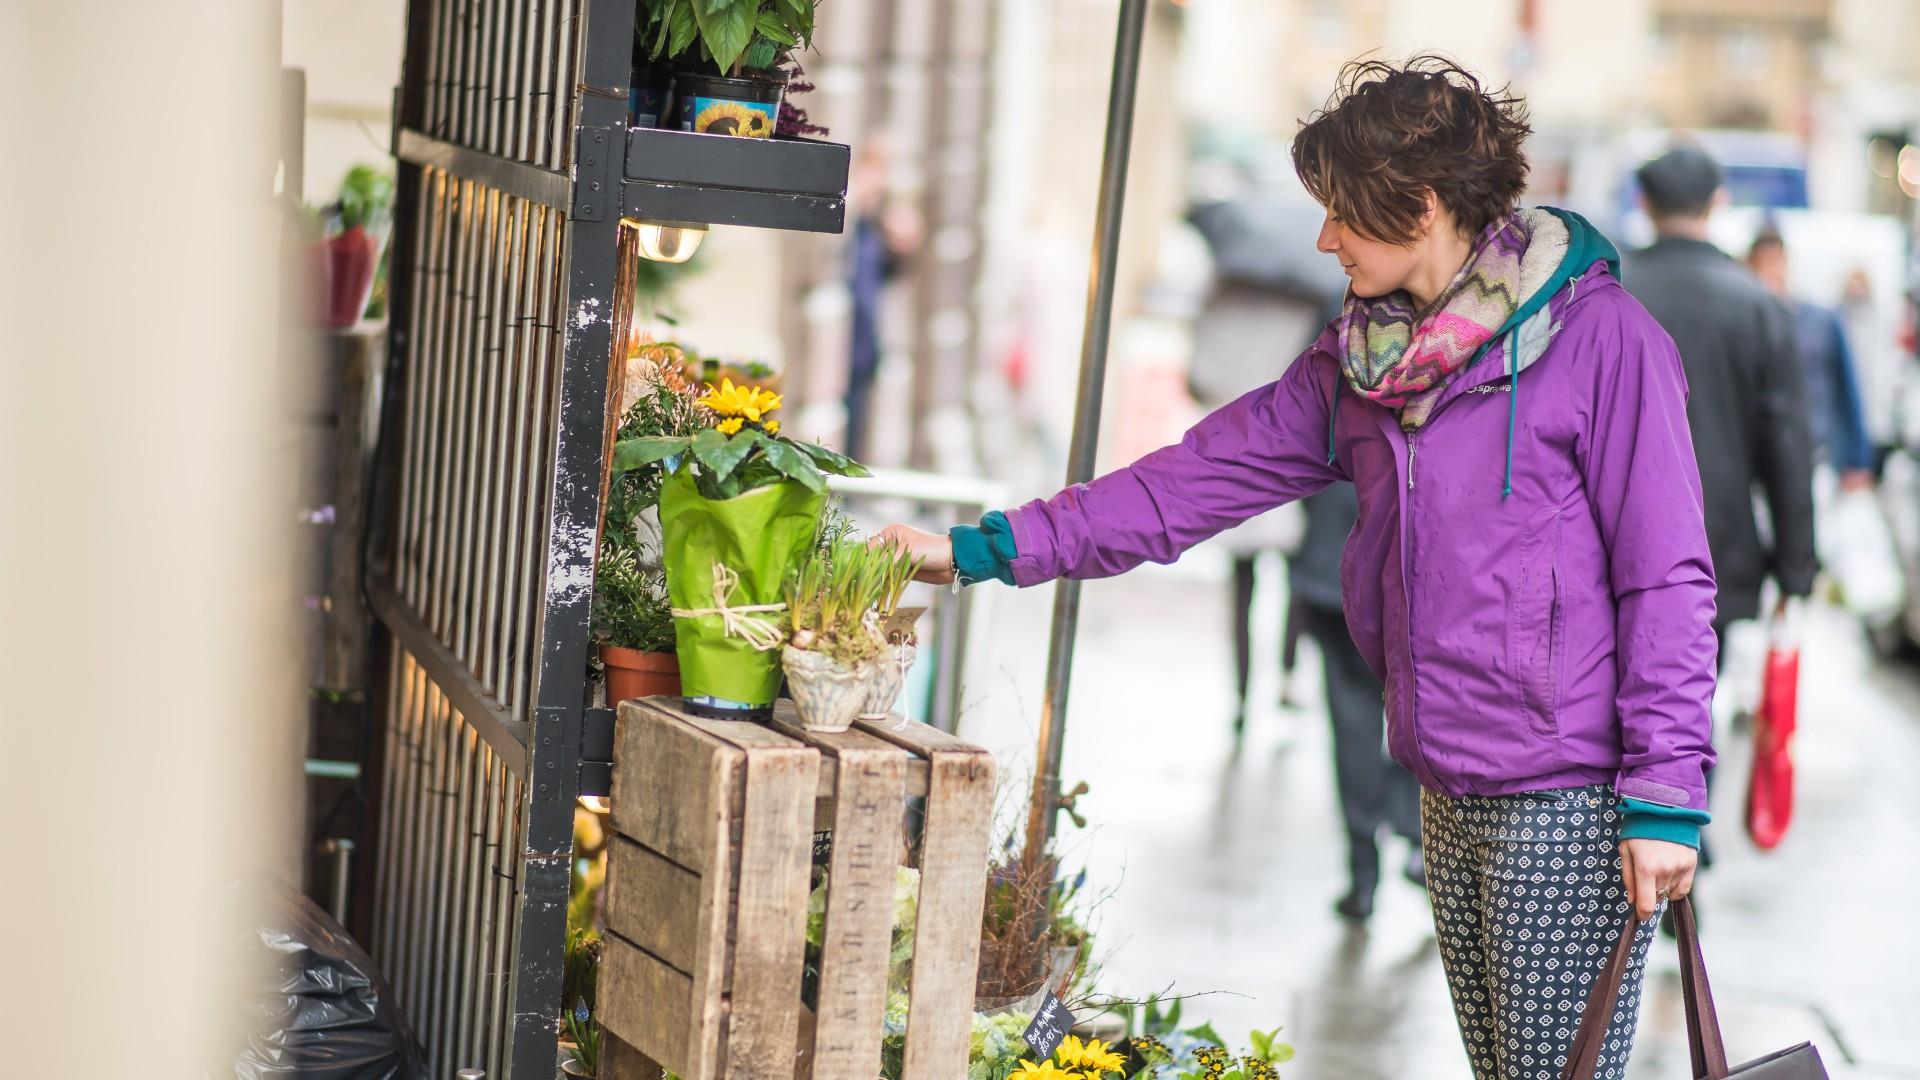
x: 1655, y: 870
x: 934, y: 550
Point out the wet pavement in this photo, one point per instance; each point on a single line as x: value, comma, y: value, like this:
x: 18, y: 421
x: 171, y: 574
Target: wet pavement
x: 1218, y: 866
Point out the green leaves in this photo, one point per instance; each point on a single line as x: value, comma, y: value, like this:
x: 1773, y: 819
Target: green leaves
x: 774, y: 29
x: 798, y: 15
x: 683, y: 26
x: 830, y: 462
x: 726, y: 28
x: 794, y: 464
x: 630, y: 454
x: 720, y: 454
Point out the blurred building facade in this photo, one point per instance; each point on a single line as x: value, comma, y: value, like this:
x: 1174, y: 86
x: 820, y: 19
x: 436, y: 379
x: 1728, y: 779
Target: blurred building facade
x: 993, y: 113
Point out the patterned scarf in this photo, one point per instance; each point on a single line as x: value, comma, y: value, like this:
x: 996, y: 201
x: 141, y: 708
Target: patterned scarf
x: 1403, y: 359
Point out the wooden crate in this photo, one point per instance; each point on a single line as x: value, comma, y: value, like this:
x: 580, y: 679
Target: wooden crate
x: 708, y: 876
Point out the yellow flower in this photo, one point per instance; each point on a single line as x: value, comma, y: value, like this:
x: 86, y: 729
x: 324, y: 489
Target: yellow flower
x: 1070, y: 1051
x: 773, y: 427
x: 729, y: 427
x: 749, y: 401
x: 1097, y: 1058
x: 1043, y: 1071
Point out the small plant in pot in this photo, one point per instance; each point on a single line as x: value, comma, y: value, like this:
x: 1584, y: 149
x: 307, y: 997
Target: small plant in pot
x: 731, y: 59
x: 835, y: 653
x: 895, y: 625
x: 632, y: 616
x: 583, y: 1032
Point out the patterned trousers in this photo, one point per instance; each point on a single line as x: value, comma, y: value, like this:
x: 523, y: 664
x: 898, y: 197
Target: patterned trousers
x: 1527, y: 906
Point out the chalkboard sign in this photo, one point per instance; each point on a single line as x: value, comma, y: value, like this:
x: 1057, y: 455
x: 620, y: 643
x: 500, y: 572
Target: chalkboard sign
x: 822, y: 847
x: 1051, y: 1022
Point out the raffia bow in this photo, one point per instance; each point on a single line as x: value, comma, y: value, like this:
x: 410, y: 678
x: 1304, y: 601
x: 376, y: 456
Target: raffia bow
x: 744, y: 622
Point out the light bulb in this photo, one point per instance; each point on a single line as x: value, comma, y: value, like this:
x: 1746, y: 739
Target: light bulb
x: 670, y: 241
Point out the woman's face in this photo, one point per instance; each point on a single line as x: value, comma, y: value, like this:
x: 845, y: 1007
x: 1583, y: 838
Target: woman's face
x: 1375, y: 267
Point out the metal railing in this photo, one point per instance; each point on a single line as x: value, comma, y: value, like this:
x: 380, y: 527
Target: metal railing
x: 481, y: 552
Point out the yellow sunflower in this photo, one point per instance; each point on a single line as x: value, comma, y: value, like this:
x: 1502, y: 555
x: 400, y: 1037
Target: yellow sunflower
x: 749, y: 401
x: 772, y: 427
x: 1097, y: 1058
x: 729, y: 427
x: 1043, y: 1071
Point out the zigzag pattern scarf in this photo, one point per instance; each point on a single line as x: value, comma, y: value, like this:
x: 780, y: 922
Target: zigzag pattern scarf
x: 1402, y: 358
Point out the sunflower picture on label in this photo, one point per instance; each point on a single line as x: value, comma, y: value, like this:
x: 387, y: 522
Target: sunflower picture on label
x: 744, y: 119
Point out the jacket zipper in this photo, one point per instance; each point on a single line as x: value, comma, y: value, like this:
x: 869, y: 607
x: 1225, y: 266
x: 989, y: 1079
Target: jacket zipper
x: 1411, y: 451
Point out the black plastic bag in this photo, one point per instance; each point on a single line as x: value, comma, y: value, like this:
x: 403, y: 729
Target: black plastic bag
x: 315, y: 1005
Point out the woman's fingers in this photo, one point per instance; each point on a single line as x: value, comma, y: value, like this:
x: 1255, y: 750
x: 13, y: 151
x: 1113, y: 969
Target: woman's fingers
x: 1626, y: 870
x: 1655, y: 870
x: 1646, y: 890
x: 934, y: 550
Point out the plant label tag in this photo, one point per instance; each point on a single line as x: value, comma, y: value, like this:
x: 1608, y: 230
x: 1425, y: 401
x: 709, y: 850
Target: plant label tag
x: 822, y: 847
x: 1051, y: 1022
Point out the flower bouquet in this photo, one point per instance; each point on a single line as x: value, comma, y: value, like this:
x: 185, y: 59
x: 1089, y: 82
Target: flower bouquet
x: 740, y: 509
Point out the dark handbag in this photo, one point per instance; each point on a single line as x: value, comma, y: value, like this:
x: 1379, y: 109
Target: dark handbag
x: 1703, y: 1025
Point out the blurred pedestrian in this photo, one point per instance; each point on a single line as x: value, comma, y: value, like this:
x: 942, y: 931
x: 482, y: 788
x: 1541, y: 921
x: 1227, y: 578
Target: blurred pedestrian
x: 1835, y: 424
x: 1530, y: 578
x: 883, y: 234
x: 1745, y: 402
x: 1236, y: 335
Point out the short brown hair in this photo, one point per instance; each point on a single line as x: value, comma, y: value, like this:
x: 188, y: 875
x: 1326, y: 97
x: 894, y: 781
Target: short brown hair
x: 1390, y: 133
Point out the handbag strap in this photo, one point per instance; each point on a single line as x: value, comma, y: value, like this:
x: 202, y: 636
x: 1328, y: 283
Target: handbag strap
x: 1703, y: 1025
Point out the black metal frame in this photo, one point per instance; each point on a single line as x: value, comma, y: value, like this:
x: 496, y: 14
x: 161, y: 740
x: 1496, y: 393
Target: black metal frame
x: 516, y: 168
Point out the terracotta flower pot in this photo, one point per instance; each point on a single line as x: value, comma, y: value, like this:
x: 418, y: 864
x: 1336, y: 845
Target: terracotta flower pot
x: 635, y: 674
x: 827, y: 694
x: 351, y: 258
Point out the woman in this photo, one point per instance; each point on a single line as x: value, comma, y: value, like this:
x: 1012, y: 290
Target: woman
x: 1529, y: 575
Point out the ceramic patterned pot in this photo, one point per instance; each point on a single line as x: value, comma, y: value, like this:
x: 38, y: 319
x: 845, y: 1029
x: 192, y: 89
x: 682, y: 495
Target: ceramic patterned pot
x: 827, y: 694
x: 890, y: 674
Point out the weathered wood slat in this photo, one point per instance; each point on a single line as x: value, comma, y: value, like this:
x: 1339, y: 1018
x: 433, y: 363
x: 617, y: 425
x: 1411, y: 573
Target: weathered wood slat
x: 620, y: 1061
x: 953, y: 889
x: 652, y: 1006
x: 657, y: 904
x: 867, y: 818
x: 673, y: 788
x: 769, y: 934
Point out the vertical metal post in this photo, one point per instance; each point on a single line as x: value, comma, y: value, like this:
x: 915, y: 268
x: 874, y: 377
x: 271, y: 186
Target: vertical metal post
x: 1045, y: 804
x: 553, y: 748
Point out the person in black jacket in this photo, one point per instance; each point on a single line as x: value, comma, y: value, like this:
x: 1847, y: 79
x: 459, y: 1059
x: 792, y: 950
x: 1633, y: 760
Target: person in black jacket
x: 1746, y: 395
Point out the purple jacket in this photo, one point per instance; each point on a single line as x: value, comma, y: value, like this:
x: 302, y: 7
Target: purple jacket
x: 1557, y: 637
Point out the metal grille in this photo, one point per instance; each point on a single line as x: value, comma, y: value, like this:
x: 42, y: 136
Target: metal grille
x: 448, y: 875
x: 499, y: 76
x: 479, y: 433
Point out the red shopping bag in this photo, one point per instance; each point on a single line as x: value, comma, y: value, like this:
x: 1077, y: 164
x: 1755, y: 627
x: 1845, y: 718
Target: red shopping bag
x: 1770, y: 785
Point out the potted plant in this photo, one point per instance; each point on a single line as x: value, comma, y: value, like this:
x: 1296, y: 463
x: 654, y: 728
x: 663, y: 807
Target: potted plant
x: 895, y: 626
x: 742, y: 49
x: 836, y: 657
x: 740, y: 509
x: 583, y: 1034
x: 357, y: 223
x: 632, y: 616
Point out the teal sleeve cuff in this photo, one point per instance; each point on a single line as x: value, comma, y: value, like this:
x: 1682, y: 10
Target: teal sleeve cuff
x: 1657, y: 821
x: 984, y: 552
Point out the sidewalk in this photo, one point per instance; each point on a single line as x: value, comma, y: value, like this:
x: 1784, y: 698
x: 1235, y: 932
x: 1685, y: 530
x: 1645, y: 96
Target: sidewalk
x: 1222, y: 868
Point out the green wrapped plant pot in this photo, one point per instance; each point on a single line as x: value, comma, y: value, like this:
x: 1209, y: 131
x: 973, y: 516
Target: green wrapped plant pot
x: 747, y: 544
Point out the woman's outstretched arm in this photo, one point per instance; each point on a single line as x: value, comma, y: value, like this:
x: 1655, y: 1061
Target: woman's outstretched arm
x: 1267, y: 448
